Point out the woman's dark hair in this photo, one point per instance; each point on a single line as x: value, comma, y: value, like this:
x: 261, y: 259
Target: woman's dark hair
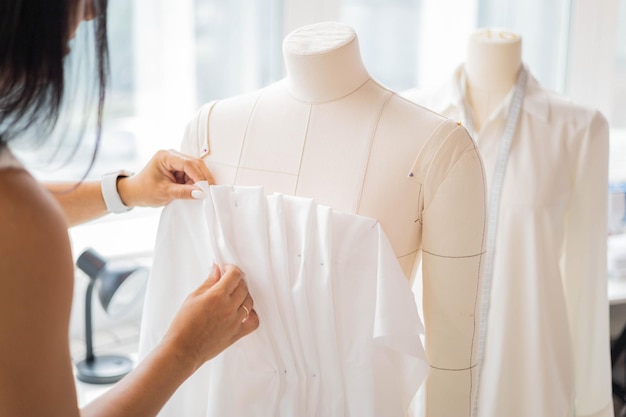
x: 33, y: 41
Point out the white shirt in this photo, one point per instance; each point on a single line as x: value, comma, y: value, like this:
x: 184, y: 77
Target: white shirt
x: 547, y: 349
x: 339, y: 330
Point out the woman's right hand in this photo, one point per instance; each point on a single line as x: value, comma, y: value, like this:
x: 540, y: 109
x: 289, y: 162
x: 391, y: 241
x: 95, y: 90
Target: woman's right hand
x: 212, y: 318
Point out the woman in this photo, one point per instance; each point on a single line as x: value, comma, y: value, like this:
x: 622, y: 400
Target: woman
x: 36, y: 268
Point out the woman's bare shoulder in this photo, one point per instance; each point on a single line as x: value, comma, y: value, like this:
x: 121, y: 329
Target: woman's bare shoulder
x: 32, y: 225
x: 36, y: 287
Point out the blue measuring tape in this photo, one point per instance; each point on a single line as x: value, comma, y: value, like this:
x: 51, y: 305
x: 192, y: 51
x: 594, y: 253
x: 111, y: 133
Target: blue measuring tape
x: 495, y: 194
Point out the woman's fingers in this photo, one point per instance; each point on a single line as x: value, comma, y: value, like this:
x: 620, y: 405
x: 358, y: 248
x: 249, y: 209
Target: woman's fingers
x: 218, y: 313
x: 186, y: 168
x: 246, y: 307
x: 250, y: 324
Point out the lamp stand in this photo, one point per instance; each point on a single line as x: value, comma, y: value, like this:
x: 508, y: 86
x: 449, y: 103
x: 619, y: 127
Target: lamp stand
x: 106, y: 369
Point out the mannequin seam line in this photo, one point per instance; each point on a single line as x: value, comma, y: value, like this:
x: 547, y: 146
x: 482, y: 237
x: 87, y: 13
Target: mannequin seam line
x: 371, y: 146
x: 479, y: 302
x: 435, y: 155
x: 228, y: 165
x: 306, y: 136
x: 454, y: 257
x: 245, y: 136
x: 206, y: 143
x: 473, y: 150
x: 265, y: 170
x: 408, y: 254
x: 427, y: 156
x: 455, y: 369
x: 415, y: 104
x: 312, y: 103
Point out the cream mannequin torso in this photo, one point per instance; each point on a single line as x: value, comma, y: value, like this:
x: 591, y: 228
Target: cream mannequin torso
x: 328, y: 131
x: 547, y: 345
x: 494, y: 57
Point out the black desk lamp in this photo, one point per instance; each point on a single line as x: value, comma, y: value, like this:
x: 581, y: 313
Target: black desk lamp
x: 121, y: 284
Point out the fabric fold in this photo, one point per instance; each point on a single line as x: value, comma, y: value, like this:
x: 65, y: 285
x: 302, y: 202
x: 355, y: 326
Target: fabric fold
x: 339, y: 330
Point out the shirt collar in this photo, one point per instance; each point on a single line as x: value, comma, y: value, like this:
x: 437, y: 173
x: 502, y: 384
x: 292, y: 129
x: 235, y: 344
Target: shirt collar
x: 449, y: 98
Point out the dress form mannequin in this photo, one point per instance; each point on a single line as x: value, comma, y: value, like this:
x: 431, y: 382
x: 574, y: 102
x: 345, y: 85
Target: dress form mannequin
x: 549, y: 264
x: 309, y: 71
x: 331, y: 133
x: 494, y: 57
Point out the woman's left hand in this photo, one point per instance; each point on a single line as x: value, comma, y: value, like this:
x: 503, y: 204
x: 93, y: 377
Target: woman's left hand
x: 169, y: 175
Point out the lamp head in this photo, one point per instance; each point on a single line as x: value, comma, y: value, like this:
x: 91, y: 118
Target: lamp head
x: 91, y: 263
x: 122, y: 283
x: 122, y: 286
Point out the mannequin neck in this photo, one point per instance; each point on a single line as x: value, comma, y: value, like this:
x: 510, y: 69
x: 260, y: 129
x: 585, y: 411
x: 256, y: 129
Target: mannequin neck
x: 323, y: 62
x: 494, y: 57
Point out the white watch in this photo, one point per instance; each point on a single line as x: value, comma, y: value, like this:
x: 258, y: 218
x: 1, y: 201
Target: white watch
x: 111, y: 196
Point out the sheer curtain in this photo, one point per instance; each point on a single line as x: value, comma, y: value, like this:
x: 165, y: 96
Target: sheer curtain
x: 168, y: 57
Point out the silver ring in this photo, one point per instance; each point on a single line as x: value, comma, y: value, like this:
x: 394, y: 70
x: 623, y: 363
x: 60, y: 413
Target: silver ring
x: 247, y: 311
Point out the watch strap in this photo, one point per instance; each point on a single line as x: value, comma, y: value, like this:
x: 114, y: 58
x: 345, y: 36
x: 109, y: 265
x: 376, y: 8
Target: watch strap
x: 112, y: 199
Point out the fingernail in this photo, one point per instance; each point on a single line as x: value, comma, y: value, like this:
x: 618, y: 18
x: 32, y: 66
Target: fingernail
x: 198, y: 194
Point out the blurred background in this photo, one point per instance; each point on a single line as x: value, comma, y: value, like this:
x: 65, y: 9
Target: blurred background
x: 168, y: 57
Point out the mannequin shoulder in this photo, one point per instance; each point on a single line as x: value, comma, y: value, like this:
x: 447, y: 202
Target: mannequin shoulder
x: 423, y: 124
x: 230, y: 112
x: 410, y: 116
x: 448, y: 144
x: 241, y: 103
x: 229, y: 107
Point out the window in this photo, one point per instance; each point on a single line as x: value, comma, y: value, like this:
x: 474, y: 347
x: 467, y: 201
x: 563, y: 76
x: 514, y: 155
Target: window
x: 618, y: 105
x: 544, y: 29
x: 389, y: 38
x: 593, y: 73
x: 169, y: 57
x: 237, y: 47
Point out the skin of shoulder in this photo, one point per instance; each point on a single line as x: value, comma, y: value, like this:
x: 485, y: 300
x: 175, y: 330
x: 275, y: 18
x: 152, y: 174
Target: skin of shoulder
x: 36, y: 288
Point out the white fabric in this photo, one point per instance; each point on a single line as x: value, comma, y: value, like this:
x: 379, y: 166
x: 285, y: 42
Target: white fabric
x: 339, y: 328
x: 547, y: 351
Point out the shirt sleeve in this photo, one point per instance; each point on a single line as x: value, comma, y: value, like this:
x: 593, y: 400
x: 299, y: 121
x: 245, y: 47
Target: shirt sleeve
x: 454, y: 234
x: 585, y: 271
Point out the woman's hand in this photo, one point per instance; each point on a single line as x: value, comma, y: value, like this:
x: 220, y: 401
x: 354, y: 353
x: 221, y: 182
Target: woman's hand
x: 169, y: 175
x: 211, y: 319
x: 217, y: 314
